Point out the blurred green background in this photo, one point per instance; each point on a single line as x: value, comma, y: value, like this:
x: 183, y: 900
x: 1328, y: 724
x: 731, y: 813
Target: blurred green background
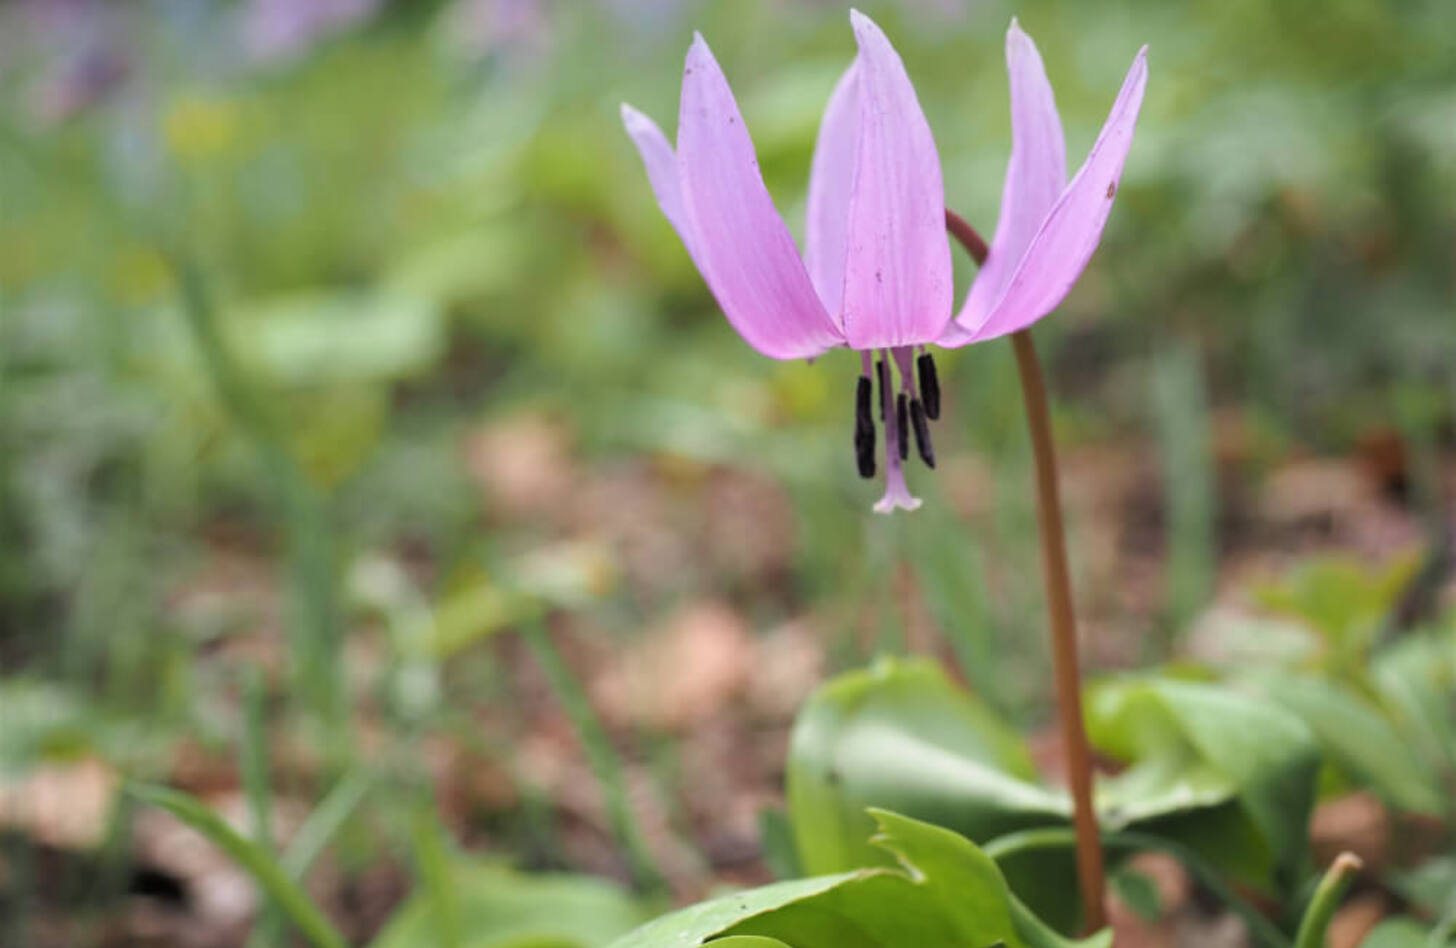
x: 341, y: 341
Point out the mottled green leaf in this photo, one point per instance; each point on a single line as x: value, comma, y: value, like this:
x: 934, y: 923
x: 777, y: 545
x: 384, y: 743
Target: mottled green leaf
x: 1401, y: 931
x: 1228, y: 774
x: 1359, y: 739
x: 1198, y: 735
x: 333, y: 336
x: 495, y: 907
x: 899, y: 735
x: 944, y: 893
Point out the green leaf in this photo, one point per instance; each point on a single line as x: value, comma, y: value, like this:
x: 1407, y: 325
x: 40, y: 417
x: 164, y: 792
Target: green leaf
x: 264, y: 869
x: 944, y: 893
x: 1431, y: 886
x: 1358, y: 739
x: 1401, y: 931
x: 1139, y: 892
x: 776, y: 838
x: 496, y: 907
x: 456, y: 269
x: 1229, y: 774
x: 698, y: 923
x: 43, y: 721
x: 1263, y: 931
x: 1339, y: 597
x: 1188, y: 738
x: 1416, y: 680
x: 954, y: 764
x: 334, y: 336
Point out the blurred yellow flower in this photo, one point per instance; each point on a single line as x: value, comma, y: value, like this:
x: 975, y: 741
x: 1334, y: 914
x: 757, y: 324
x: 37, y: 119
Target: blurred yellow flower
x: 200, y: 127
x: 137, y: 275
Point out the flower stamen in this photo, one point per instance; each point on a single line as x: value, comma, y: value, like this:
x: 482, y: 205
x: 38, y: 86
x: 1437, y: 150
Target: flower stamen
x: 922, y: 432
x: 902, y: 427
x: 929, y: 385
x: 864, y: 428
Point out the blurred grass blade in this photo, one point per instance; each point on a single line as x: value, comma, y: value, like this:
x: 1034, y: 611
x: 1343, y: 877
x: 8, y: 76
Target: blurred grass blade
x: 1326, y: 899
x: 255, y: 759
x: 432, y: 861
x: 257, y: 786
x: 602, y: 756
x: 264, y: 869
x: 312, y: 557
x: 1181, y: 419
x: 326, y: 819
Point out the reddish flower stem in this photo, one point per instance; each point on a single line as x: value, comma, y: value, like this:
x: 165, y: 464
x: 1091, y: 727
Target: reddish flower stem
x: 957, y: 227
x: 1058, y: 582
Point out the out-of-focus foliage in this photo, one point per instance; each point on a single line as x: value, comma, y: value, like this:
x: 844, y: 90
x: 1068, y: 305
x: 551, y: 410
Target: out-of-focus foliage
x: 1227, y: 777
x: 406, y: 222
x: 455, y: 190
x: 943, y: 890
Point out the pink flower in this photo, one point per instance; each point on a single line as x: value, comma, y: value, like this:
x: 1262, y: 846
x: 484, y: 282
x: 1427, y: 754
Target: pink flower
x: 1049, y: 227
x: 876, y: 269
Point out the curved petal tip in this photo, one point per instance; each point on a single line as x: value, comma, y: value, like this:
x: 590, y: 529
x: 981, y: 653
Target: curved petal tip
x: 631, y: 117
x: 862, y: 25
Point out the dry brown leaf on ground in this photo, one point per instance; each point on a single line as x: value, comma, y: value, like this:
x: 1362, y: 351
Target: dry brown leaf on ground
x: 687, y: 670
x: 1354, y: 920
x: 220, y: 896
x: 64, y: 805
x: 1358, y: 823
x: 523, y: 464
x: 788, y: 663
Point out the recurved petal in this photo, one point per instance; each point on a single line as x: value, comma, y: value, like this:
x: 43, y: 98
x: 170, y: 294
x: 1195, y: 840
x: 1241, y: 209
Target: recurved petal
x: 831, y: 178
x: 1035, y: 175
x: 897, y: 286
x: 742, y: 246
x: 1061, y: 248
x: 661, y: 165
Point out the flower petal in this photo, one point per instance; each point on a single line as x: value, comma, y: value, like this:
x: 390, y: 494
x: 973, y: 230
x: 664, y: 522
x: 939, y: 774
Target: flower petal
x: 742, y: 246
x: 661, y: 165
x: 897, y: 287
x: 1035, y: 175
x: 831, y: 181
x: 1061, y: 248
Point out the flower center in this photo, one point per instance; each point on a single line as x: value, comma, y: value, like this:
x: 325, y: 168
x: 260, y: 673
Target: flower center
x: 908, y: 412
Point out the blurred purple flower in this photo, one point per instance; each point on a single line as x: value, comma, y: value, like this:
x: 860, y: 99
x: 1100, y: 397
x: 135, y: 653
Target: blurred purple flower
x: 876, y: 268
x: 79, y: 82
x: 280, y: 29
x: 521, y: 28
x: 84, y: 51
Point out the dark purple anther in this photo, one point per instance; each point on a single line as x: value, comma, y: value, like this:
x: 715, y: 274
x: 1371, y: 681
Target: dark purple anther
x: 922, y: 432
x: 929, y: 385
x: 864, y: 428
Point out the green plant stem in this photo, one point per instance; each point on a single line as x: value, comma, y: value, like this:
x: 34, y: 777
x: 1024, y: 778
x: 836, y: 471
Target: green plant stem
x: 432, y: 859
x: 256, y: 784
x: 1264, y: 931
x: 264, y: 869
x: 1057, y: 578
x: 1326, y: 899
x: 319, y: 828
x: 601, y: 755
x: 312, y: 557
